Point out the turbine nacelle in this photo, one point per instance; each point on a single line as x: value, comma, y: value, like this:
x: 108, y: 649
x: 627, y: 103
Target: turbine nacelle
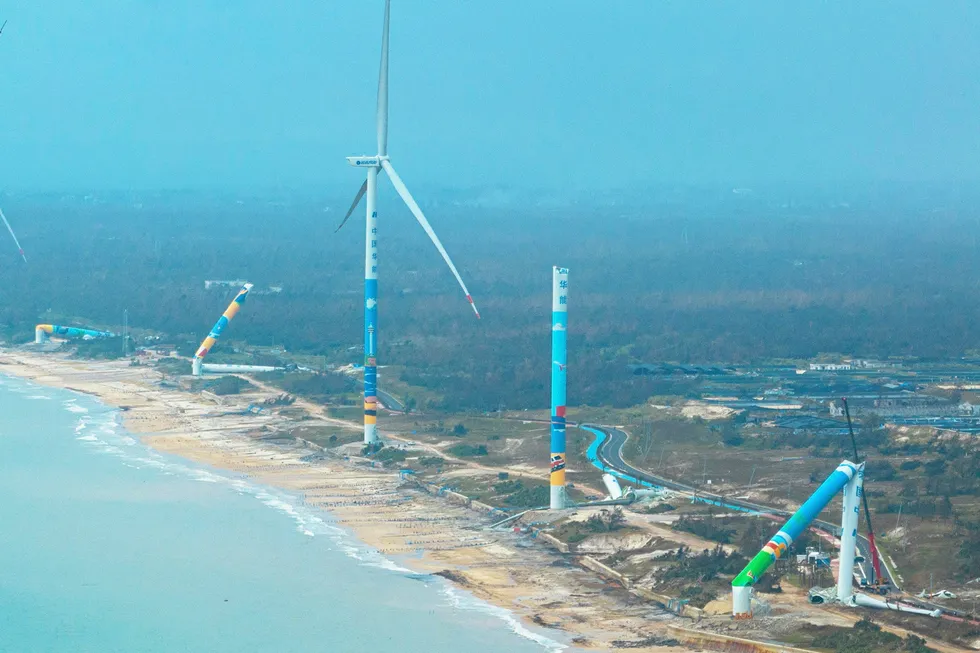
x: 366, y: 161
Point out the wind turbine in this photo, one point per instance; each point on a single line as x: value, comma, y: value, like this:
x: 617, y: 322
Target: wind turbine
x: 374, y: 165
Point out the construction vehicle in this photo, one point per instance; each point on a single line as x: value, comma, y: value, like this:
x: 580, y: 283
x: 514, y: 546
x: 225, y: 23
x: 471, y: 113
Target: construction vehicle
x: 877, y: 583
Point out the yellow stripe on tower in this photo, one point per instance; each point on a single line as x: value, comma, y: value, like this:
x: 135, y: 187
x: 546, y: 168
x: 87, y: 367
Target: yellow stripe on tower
x: 557, y: 475
x: 371, y: 411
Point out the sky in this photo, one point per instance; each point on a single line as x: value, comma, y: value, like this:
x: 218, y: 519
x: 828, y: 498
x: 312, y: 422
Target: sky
x: 150, y: 94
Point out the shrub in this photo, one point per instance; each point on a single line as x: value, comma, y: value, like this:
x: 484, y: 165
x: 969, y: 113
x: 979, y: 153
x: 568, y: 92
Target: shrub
x: 227, y: 385
x: 468, y: 450
x: 389, y: 455
x: 606, y: 521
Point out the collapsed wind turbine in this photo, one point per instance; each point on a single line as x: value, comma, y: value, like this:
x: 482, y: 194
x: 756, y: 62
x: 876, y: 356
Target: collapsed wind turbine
x: 12, y: 235
x: 369, y: 188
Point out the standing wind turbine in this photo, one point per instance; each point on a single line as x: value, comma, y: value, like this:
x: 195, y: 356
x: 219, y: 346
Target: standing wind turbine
x: 374, y: 165
x: 16, y: 242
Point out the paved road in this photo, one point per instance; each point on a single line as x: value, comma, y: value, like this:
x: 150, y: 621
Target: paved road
x: 390, y: 402
x: 610, y: 453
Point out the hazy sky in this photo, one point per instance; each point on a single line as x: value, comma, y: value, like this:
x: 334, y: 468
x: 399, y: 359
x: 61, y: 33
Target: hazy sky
x: 179, y: 93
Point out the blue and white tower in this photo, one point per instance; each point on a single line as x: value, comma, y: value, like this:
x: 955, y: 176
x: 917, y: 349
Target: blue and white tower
x: 559, y: 368
x: 374, y: 165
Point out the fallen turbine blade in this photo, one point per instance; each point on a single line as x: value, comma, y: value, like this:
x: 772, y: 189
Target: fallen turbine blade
x: 357, y: 199
x: 417, y: 212
x: 383, y: 88
x: 14, y: 236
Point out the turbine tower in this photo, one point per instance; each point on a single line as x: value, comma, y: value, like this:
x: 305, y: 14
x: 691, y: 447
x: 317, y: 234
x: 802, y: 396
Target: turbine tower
x: 197, y: 363
x: 374, y: 165
x: 559, y: 365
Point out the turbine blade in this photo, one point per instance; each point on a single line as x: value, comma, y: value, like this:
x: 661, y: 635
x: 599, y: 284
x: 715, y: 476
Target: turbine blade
x: 2, y: 26
x: 12, y: 235
x: 383, y: 88
x: 417, y: 212
x: 357, y: 199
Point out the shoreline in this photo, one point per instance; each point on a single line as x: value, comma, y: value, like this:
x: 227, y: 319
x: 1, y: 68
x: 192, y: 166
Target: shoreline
x: 529, y: 584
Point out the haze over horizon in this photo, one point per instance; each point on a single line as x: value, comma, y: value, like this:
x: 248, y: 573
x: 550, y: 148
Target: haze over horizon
x: 163, y: 95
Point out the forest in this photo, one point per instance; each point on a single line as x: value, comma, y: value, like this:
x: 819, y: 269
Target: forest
x: 691, y: 275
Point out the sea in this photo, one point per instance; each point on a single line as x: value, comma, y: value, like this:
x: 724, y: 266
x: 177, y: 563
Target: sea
x: 107, y: 545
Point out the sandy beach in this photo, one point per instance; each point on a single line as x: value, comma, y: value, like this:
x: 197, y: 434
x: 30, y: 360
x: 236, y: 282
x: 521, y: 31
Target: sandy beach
x: 424, y: 533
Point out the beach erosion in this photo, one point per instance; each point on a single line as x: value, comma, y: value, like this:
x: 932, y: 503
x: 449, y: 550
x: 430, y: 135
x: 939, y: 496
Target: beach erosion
x: 541, y: 595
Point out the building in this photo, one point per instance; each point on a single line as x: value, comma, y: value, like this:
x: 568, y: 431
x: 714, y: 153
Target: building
x: 830, y: 367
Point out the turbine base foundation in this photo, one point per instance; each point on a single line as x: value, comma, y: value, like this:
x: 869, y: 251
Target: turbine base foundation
x: 558, y: 501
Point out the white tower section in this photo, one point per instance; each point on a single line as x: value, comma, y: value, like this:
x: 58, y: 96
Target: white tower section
x: 848, y: 539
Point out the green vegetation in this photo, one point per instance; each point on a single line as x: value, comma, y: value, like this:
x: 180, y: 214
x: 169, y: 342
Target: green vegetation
x: 864, y: 637
x: 175, y: 366
x: 709, y: 299
x: 707, y: 527
x: 604, y: 521
x: 515, y: 494
x: 704, y: 566
x: 968, y: 555
x: 389, y: 456
x: 467, y: 450
x: 322, y: 387
x: 227, y: 385
x: 99, y: 348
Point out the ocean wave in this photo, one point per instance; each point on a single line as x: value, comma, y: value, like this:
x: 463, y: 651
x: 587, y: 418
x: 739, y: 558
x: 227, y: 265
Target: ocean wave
x: 104, y: 433
x: 44, y: 397
x: 462, y: 601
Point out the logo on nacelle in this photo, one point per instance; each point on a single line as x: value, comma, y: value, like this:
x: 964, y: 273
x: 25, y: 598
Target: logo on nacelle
x: 360, y: 161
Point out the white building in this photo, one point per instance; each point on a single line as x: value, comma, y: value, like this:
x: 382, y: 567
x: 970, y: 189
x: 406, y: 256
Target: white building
x: 830, y: 367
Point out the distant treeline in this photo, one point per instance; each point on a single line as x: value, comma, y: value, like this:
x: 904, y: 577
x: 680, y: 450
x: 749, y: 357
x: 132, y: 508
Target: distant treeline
x: 739, y: 280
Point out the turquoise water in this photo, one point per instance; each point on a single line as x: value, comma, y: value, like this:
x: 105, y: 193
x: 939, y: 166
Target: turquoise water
x: 106, y: 545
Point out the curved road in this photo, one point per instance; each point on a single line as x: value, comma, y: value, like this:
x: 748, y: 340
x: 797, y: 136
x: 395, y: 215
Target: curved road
x: 610, y: 453
x: 389, y: 402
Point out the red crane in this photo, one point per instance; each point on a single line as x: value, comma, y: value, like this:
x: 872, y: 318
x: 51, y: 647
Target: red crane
x: 875, y: 559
